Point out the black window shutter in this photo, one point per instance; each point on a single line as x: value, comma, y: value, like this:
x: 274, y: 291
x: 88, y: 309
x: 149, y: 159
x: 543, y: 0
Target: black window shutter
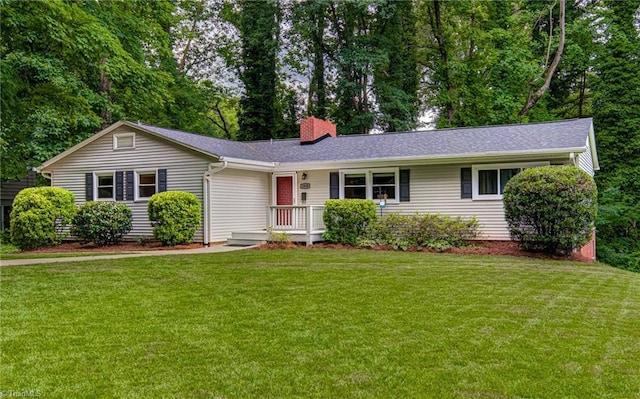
x: 88, y: 186
x: 119, y: 186
x: 334, y: 185
x: 162, y: 180
x: 465, y: 183
x: 404, y: 185
x: 129, y: 185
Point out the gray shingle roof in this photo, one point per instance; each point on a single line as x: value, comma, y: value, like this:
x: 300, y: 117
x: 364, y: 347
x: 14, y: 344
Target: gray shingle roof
x: 458, y: 142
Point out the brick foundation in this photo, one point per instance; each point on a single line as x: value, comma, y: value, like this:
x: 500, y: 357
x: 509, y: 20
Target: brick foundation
x: 588, y: 250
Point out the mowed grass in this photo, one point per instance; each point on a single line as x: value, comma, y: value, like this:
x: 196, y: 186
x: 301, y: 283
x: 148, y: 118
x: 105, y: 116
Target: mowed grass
x: 317, y: 323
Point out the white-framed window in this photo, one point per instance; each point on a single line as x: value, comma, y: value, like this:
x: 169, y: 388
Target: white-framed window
x: 146, y: 184
x: 488, y: 181
x: 124, y: 141
x: 354, y: 185
x: 371, y: 184
x: 104, y: 186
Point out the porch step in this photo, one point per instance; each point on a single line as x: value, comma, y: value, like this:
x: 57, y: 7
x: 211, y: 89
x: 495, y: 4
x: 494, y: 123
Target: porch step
x: 261, y: 237
x: 247, y: 238
x: 232, y: 242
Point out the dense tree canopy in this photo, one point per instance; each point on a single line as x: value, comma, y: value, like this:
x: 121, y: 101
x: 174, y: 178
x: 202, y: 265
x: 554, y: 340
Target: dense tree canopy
x: 617, y: 125
x: 247, y: 70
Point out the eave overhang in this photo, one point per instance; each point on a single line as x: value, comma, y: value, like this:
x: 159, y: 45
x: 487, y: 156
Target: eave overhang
x: 486, y: 157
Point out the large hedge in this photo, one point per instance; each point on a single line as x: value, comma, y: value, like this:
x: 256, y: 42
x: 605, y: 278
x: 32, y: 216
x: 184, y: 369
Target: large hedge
x: 104, y: 223
x: 551, y: 209
x: 40, y: 215
x: 175, y: 216
x: 346, y: 220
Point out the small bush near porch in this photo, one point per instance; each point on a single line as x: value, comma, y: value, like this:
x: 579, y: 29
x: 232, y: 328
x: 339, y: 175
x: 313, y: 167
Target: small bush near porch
x: 321, y: 323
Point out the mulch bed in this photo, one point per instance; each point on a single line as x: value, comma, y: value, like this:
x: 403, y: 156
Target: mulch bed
x: 72, y: 246
x: 509, y: 248
x: 485, y: 247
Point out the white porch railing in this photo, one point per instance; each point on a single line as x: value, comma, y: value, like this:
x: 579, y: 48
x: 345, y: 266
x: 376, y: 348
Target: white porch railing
x: 307, y: 218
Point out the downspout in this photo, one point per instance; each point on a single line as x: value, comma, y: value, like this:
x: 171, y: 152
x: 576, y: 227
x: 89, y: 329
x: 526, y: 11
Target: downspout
x: 572, y: 158
x: 46, y: 175
x: 206, y: 189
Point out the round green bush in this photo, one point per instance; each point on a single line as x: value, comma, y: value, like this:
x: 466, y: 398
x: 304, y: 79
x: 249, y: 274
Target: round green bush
x: 104, y: 223
x: 551, y: 209
x: 40, y: 215
x: 346, y: 220
x: 175, y: 216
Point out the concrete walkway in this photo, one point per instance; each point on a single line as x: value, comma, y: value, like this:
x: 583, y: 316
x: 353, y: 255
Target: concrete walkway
x: 204, y: 250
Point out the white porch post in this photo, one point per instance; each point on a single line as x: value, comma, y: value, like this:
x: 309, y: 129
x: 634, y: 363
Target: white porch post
x: 270, y: 218
x: 309, y: 216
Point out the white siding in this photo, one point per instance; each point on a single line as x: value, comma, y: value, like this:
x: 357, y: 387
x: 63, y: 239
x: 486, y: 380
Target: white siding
x: 436, y: 189
x: 318, y: 193
x: 184, y: 171
x: 239, y: 201
x: 433, y: 189
x: 585, y: 160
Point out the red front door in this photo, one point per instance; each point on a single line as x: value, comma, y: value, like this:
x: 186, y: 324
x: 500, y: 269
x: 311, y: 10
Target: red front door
x: 284, y: 196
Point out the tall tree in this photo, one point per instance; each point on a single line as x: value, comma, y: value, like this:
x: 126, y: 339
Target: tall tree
x: 65, y: 73
x: 570, y: 93
x: 484, y: 60
x: 309, y: 20
x: 69, y: 68
x: 617, y: 126
x: 548, y: 69
x: 396, y: 74
x: 354, y: 53
x: 259, y: 30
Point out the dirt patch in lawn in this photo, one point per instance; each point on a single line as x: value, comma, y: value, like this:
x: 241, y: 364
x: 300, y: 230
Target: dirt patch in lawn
x: 485, y: 247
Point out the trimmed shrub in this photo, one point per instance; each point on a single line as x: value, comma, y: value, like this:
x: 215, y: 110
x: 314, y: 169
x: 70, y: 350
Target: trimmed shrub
x: 40, y: 215
x: 551, y: 209
x: 175, y: 216
x: 104, y: 223
x: 434, y: 231
x: 346, y: 220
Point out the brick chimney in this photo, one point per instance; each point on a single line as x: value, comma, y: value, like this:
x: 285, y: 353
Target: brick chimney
x: 313, y: 130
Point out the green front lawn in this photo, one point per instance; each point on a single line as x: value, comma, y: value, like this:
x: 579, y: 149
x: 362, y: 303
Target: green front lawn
x: 321, y: 323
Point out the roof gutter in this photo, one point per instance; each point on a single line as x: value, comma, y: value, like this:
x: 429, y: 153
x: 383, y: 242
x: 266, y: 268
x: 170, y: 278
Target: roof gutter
x: 422, y: 160
x: 247, y: 164
x: 46, y: 175
x: 206, y: 195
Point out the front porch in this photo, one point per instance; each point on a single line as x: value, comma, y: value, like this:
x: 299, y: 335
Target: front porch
x: 302, y: 224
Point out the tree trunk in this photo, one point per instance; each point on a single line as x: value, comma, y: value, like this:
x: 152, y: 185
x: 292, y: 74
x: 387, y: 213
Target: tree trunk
x: 534, y: 97
x: 444, y: 59
x: 583, y: 85
x: 317, y: 90
x: 222, y: 125
x: 105, y: 88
